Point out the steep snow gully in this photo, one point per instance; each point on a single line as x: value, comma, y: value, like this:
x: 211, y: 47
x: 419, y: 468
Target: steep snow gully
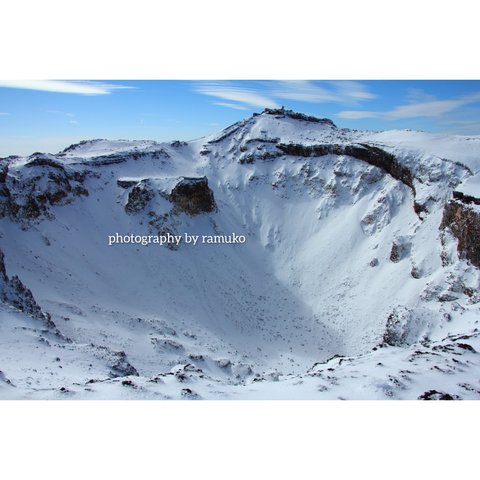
x: 358, y: 277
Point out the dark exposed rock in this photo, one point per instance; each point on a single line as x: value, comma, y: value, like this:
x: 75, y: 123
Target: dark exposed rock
x: 14, y: 293
x: 166, y: 344
x: 253, y: 157
x: 128, y: 383
x: 373, y: 155
x: 447, y: 297
x: 415, y: 272
x: 5, y: 379
x: 404, y: 326
x: 44, y: 162
x: 156, y: 154
x: 28, y: 193
x: 400, y: 250
x: 263, y: 140
x: 126, y: 183
x: 189, y: 394
x: 466, y: 346
x: 298, y: 116
x: 463, y: 220
x: 22, y: 299
x: 3, y: 271
x: 74, y: 146
x: 139, y: 197
x: 436, y: 395
x: 121, y: 367
x: 193, y: 196
x: 419, y: 208
x: 178, y: 144
x: 468, y: 199
x: 112, y: 159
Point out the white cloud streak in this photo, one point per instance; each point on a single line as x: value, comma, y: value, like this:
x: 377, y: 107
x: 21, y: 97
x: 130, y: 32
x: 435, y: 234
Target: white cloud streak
x: 268, y: 94
x: 308, y: 91
x: 426, y: 109
x: 303, y: 91
x: 354, y: 91
x: 64, y: 86
x: 233, y: 93
x: 235, y: 106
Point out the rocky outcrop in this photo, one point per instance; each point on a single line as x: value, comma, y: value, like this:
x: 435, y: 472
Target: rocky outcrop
x: 125, y: 184
x: 28, y: 193
x: 407, y: 326
x: 14, y: 293
x: 436, y: 395
x: 373, y: 155
x: 400, y: 249
x: 121, y: 367
x: 298, y: 116
x: 115, y: 158
x: 467, y: 199
x: 193, y: 196
x: 116, y: 361
x: 462, y: 218
x: 139, y: 197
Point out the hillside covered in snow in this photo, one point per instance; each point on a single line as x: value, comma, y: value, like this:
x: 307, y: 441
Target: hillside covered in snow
x: 358, y: 278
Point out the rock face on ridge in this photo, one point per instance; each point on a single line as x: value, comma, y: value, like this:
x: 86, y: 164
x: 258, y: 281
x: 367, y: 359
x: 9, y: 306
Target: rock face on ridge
x: 193, y: 196
x: 13, y: 292
x: 462, y: 218
x: 138, y: 197
x: 27, y: 193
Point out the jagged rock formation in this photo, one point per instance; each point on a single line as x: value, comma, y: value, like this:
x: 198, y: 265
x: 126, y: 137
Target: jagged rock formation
x: 282, y: 112
x: 400, y: 249
x: 28, y: 193
x: 406, y: 326
x: 14, y: 293
x: 193, y: 196
x: 462, y: 217
x: 138, y: 197
x: 121, y: 367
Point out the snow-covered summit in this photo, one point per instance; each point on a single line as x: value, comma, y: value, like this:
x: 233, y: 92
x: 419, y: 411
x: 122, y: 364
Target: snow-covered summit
x: 101, y: 147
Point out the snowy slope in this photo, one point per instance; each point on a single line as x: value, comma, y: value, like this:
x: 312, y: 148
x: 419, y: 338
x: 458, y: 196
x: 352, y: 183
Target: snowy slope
x: 341, y: 257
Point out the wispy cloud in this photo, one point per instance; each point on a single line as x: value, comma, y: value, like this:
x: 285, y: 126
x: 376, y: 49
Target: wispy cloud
x: 269, y: 94
x: 348, y: 90
x: 4, y: 113
x: 302, y: 91
x: 358, y: 114
x: 243, y: 95
x: 235, y: 106
x: 64, y: 86
x: 431, y: 108
x: 308, y: 91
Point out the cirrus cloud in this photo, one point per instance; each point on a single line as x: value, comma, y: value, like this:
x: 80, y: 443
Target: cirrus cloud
x: 243, y: 95
x: 268, y: 94
x: 64, y: 86
x: 427, y: 109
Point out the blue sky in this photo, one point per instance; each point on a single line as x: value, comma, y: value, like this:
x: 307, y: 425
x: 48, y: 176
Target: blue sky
x: 49, y: 115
